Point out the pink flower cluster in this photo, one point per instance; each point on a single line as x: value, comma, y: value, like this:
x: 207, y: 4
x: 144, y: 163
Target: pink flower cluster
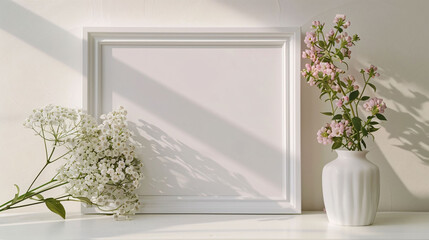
x: 324, y: 135
x: 375, y: 105
x: 334, y: 129
x: 327, y: 69
x: 372, y: 70
x: 316, y: 24
x: 344, y: 37
x: 351, y: 82
x: 310, y: 39
x: 313, y: 52
x: 341, y: 18
x: 330, y: 34
x: 341, y: 101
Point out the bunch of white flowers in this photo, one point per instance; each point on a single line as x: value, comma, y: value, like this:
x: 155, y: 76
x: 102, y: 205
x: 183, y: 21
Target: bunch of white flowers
x: 103, y: 167
x: 56, y: 124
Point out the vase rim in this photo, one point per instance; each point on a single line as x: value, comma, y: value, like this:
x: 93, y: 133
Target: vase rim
x: 345, y: 150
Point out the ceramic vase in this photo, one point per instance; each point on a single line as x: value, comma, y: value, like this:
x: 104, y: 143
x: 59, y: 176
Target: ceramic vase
x: 351, y: 189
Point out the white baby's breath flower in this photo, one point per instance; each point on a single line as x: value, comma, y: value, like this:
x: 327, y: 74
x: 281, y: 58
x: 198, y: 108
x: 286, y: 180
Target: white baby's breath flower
x: 103, y: 166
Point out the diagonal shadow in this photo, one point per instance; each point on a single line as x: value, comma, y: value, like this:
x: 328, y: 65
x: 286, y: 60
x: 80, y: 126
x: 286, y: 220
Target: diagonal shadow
x: 200, y: 123
x: 179, y: 162
x: 40, y: 33
x: 411, y: 133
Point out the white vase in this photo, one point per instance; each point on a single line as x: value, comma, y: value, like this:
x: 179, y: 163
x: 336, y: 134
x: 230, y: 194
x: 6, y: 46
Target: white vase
x: 351, y: 189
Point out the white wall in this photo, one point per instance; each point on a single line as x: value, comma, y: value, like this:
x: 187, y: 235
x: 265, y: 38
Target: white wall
x: 41, y: 63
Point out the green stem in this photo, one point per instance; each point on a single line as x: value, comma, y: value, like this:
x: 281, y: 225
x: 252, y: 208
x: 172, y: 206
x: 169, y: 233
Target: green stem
x: 60, y: 156
x: 31, y: 195
x: 332, y: 105
x: 44, y: 142
x: 26, y: 193
x: 41, y: 201
x: 363, y: 90
x: 37, y: 176
x: 20, y: 206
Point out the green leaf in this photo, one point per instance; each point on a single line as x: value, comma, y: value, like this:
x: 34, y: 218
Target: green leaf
x: 381, y: 117
x: 357, y: 123
x: 16, y: 194
x: 373, y: 86
x: 84, y: 200
x: 346, y: 65
x: 321, y: 95
x: 373, y: 123
x: 39, y: 196
x: 327, y: 113
x: 338, y: 116
x: 56, y: 207
x: 325, y: 59
x: 353, y: 95
x: 364, y: 132
x: 340, y: 55
x: 364, y: 98
x: 336, y: 145
x: 321, y: 44
x: 355, y: 38
x: 346, y: 117
x: 363, y: 142
x: 373, y: 129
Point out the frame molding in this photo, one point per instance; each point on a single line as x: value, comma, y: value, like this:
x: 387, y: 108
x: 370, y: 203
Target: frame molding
x: 287, y: 38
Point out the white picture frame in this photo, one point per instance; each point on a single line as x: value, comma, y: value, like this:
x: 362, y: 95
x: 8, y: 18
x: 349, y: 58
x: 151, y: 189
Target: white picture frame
x: 284, y: 42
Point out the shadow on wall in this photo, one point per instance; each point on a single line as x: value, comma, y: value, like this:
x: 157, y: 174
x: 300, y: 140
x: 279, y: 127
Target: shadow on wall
x: 225, y: 137
x: 181, y: 169
x: 405, y: 122
x: 40, y: 33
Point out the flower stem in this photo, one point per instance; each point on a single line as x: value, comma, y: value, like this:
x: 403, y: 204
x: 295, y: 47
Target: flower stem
x: 40, y: 172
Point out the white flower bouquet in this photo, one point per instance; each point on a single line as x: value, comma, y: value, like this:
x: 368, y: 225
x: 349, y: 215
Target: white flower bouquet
x: 100, y: 167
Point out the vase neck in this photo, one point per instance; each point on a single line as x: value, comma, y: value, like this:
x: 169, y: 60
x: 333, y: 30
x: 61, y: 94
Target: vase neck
x: 344, y: 154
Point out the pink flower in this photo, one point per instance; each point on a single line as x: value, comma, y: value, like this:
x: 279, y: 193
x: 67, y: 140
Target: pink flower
x: 316, y: 23
x: 336, y: 88
x: 310, y: 39
x: 311, y: 53
x: 330, y: 34
x: 339, y: 17
x: 339, y: 103
x: 308, y: 67
x: 349, y: 79
x: 340, y: 128
x: 345, y: 98
x: 324, y: 135
x: 346, y: 24
x: 375, y: 105
x: 372, y: 70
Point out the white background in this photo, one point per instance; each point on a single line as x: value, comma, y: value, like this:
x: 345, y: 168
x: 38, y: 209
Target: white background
x: 41, y: 63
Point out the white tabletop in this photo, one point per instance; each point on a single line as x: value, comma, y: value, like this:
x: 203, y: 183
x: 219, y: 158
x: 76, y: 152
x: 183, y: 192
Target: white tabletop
x: 310, y: 225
